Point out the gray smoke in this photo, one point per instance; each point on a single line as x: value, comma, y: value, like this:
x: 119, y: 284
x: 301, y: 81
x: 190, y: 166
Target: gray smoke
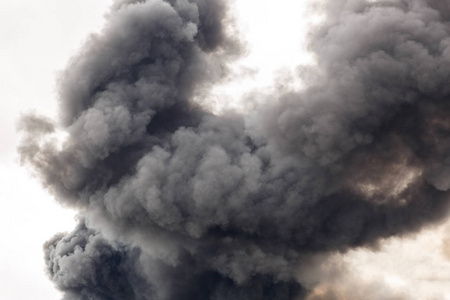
x: 178, y: 203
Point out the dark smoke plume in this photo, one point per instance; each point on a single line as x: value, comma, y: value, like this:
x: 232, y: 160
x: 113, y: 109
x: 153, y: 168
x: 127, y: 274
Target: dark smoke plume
x: 178, y: 203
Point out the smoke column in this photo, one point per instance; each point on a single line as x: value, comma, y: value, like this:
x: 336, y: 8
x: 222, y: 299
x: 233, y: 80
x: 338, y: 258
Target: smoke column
x: 178, y: 203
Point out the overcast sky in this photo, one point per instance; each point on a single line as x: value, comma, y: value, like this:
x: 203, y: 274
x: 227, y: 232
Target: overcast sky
x: 39, y: 36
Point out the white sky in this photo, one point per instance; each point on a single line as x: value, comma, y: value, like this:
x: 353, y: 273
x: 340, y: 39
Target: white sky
x: 39, y: 36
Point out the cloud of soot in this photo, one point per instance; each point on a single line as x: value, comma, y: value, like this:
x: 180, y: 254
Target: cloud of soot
x: 178, y: 203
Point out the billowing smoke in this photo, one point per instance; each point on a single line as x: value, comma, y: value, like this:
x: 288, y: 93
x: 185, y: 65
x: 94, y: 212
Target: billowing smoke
x: 178, y: 203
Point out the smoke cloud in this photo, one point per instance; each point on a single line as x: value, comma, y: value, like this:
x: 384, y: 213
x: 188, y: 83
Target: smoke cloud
x: 178, y: 203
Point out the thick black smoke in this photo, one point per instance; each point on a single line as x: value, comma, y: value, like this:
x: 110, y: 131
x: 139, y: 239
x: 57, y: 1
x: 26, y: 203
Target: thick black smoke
x: 178, y: 203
